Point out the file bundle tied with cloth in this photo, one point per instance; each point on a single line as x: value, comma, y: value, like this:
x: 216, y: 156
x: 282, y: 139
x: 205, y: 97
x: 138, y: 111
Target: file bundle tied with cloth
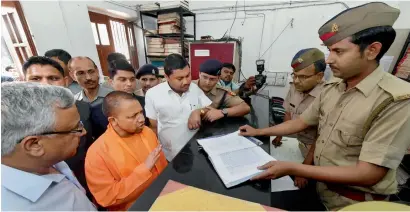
x: 236, y: 158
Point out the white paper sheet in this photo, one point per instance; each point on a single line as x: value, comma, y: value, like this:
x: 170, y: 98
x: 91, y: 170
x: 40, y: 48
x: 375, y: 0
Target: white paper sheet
x: 174, y: 139
x: 283, y: 184
x: 235, y: 159
x: 288, y: 151
x: 201, y: 53
x: 231, y: 142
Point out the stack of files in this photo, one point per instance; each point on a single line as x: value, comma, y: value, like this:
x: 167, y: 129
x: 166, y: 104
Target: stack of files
x: 155, y: 49
x: 170, y: 23
x: 236, y: 158
x: 179, y: 197
x: 155, y: 46
x: 155, y: 40
x: 171, y: 18
x: 173, y: 45
x: 164, y: 5
x: 168, y: 29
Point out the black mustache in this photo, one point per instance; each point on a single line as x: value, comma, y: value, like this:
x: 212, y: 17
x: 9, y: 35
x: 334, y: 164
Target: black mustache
x: 89, y: 81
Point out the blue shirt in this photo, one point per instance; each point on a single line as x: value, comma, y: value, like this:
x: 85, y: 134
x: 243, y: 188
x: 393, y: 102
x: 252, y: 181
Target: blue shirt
x: 102, y: 92
x: 231, y: 86
x: 24, y: 191
x: 75, y: 88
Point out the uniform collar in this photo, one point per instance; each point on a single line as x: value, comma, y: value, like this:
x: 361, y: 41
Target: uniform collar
x: 315, y: 92
x: 368, y: 83
x: 28, y: 185
x: 212, y: 91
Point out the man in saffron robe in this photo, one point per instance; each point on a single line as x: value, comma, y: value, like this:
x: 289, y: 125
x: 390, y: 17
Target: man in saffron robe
x: 127, y: 158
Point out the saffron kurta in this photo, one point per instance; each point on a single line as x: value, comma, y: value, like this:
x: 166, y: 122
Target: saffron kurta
x: 115, y: 169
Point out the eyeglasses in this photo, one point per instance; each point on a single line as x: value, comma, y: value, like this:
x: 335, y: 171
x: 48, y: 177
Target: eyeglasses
x: 78, y: 130
x: 301, y: 77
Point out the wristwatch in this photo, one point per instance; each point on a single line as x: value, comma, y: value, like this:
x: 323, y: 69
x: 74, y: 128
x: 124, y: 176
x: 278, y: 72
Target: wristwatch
x: 225, y: 112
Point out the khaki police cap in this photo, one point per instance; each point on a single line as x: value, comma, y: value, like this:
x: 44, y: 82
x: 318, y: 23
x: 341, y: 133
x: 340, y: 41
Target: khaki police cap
x: 306, y: 57
x: 356, y: 19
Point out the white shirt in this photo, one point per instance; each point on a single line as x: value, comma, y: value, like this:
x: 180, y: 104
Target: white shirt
x: 172, y: 111
x: 23, y: 191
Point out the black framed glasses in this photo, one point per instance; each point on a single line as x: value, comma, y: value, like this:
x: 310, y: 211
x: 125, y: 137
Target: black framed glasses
x: 301, y: 77
x: 78, y: 129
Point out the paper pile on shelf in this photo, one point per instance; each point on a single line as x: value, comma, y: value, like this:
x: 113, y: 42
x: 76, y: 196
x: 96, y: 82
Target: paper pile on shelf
x: 155, y: 46
x: 173, y: 45
x: 170, y: 23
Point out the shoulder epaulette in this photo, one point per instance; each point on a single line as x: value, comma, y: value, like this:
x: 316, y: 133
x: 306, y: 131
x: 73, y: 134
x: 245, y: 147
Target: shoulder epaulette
x: 227, y: 90
x: 397, y: 88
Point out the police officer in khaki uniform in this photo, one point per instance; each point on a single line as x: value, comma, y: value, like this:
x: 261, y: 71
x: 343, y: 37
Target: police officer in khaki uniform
x: 225, y: 103
x: 308, y: 69
x: 363, y: 118
x: 148, y: 76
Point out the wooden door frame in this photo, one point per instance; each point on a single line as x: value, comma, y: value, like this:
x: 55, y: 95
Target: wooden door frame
x: 17, y: 6
x: 102, y: 18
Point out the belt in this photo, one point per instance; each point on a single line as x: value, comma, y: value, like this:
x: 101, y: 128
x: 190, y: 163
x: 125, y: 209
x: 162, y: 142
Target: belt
x: 355, y: 194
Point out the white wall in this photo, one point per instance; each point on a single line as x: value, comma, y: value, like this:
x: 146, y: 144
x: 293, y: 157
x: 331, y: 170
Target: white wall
x: 302, y: 34
x: 66, y: 25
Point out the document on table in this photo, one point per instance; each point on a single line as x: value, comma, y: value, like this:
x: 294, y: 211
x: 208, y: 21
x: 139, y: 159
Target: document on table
x: 174, y: 139
x: 236, y: 158
x: 288, y: 151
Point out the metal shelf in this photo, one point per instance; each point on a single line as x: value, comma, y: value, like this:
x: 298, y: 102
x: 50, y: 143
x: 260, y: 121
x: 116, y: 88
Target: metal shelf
x: 182, y: 12
x: 154, y: 13
x: 169, y: 35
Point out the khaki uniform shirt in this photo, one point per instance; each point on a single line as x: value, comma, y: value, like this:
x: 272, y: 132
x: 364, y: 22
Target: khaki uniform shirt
x: 296, y: 103
x: 216, y: 94
x: 341, y: 114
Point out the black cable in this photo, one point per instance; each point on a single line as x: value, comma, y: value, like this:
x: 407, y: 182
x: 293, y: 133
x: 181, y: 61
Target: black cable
x: 236, y: 11
x: 244, y: 10
x: 243, y: 75
x: 276, y: 38
x: 266, y: 84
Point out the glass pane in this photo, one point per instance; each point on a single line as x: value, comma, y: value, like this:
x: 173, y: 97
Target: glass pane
x: 94, y: 28
x: 130, y: 38
x: 102, y: 29
x: 119, y: 37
